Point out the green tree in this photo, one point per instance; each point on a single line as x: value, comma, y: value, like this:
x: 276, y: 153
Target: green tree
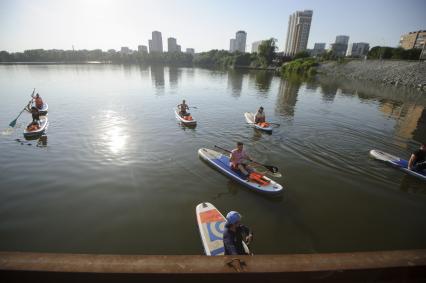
x: 267, y: 52
x: 302, y: 54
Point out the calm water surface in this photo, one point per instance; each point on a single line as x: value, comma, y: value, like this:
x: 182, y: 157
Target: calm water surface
x: 120, y: 175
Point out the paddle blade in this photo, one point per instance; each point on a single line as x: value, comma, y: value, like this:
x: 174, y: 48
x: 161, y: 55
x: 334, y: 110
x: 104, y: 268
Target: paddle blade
x: 12, y: 124
x: 273, y: 169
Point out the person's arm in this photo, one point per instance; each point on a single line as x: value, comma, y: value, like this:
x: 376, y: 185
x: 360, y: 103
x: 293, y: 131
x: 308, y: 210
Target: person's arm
x: 411, y: 161
x: 229, y: 245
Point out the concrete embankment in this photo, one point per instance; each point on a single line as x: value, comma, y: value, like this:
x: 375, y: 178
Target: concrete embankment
x: 411, y: 74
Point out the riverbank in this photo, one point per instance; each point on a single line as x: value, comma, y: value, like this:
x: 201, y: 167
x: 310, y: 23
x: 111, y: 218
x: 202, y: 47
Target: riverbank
x: 410, y: 74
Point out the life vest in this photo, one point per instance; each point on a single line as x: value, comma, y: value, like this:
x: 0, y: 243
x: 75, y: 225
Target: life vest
x: 263, y: 124
x: 258, y: 178
x: 32, y: 128
x: 188, y: 118
x: 39, y: 102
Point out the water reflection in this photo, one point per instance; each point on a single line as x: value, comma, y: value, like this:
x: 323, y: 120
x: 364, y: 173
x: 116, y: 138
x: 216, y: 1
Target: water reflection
x: 263, y: 80
x: 235, y: 82
x: 329, y: 91
x: 287, y: 96
x: 157, y: 77
x: 174, y: 76
x: 113, y: 131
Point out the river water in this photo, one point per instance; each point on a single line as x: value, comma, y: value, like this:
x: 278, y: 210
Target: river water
x: 120, y: 175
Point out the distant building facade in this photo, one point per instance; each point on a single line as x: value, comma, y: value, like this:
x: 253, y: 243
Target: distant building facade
x: 414, y: 39
x: 340, y: 46
x: 299, y: 25
x: 172, y: 44
x: 232, y: 45
x: 190, y: 51
x: 156, y: 43
x: 239, y: 42
x: 179, y: 48
x: 255, y: 46
x: 142, y: 48
x: 319, y: 48
x: 125, y: 50
x: 359, y: 49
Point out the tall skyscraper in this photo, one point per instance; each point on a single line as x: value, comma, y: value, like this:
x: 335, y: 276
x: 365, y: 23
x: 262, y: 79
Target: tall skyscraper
x: 156, y: 44
x: 319, y: 48
x: 240, y: 41
x: 172, y: 44
x: 340, y: 46
x: 232, y: 45
x: 299, y: 25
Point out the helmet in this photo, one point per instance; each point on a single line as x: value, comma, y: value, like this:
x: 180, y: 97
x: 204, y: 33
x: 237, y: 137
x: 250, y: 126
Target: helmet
x: 233, y: 217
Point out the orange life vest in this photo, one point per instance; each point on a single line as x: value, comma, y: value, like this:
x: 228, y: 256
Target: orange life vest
x: 188, y: 118
x: 32, y: 128
x: 263, y: 124
x: 258, y: 178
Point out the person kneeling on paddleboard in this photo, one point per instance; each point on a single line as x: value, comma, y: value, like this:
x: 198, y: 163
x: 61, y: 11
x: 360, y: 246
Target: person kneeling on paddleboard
x: 182, y: 109
x: 417, y: 161
x: 239, y: 159
x: 260, y: 116
x: 234, y: 235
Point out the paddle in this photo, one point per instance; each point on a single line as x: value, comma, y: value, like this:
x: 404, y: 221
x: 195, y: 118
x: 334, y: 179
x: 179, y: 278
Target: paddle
x: 13, y: 123
x: 271, y: 168
x: 193, y: 107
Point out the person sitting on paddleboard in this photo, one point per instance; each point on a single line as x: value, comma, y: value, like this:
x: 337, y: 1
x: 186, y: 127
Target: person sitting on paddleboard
x: 239, y: 159
x: 38, y: 101
x: 260, y: 116
x: 35, y: 114
x: 417, y: 161
x: 182, y: 108
x: 234, y: 234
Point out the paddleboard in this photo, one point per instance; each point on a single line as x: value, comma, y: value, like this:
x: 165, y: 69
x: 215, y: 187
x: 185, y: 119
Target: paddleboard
x: 221, y: 162
x: 396, y: 162
x: 211, y: 224
x: 185, y: 120
x: 250, y: 119
x: 43, y: 127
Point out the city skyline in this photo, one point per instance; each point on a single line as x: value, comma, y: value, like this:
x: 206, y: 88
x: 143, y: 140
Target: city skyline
x: 111, y: 24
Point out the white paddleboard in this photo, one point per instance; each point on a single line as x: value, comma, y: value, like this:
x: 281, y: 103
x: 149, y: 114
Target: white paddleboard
x: 250, y: 119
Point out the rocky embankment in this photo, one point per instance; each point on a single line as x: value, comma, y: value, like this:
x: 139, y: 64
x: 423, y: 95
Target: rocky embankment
x: 388, y: 72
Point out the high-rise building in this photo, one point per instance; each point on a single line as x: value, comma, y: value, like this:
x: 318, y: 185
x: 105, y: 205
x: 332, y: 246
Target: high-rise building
x: 299, y: 25
x: 232, y: 45
x: 172, y: 44
x: 142, y: 48
x: 179, y: 48
x: 340, y: 46
x: 190, y: 51
x: 358, y: 49
x: 414, y: 39
x: 125, y: 50
x: 240, y: 41
x: 156, y: 43
x: 319, y: 48
x: 255, y: 46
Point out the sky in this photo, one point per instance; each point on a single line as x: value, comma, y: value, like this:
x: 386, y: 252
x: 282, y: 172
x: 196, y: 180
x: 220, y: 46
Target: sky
x: 199, y: 24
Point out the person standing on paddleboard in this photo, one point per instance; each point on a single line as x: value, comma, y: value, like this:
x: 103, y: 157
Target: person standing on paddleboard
x: 417, y: 160
x: 239, y: 159
x: 182, y: 108
x: 234, y: 235
x: 260, y: 116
